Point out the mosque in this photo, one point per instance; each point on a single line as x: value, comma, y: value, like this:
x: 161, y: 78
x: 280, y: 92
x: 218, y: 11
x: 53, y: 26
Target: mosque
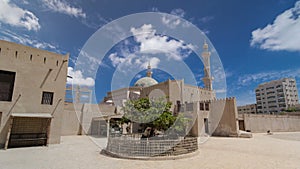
x: 176, y: 91
x: 185, y: 98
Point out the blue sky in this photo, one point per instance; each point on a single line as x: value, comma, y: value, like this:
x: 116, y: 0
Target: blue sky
x: 256, y: 40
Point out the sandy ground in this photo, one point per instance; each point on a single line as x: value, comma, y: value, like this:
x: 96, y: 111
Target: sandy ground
x: 280, y: 150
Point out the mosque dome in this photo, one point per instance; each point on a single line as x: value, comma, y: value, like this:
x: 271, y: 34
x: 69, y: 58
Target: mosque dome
x: 145, y: 82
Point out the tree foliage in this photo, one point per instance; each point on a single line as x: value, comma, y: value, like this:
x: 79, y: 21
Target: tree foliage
x: 291, y: 109
x: 152, y: 113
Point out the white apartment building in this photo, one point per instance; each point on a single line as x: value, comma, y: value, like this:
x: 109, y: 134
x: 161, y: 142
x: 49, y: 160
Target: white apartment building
x: 276, y: 96
x: 247, y: 109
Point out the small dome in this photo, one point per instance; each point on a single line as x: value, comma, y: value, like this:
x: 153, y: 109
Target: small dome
x: 145, y: 82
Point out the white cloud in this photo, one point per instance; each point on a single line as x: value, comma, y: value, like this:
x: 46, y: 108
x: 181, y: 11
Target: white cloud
x: 267, y: 76
x: 26, y: 40
x: 150, y: 48
x: 133, y: 60
x: 61, y: 6
x: 78, y: 79
x: 89, y: 62
x: 282, y: 34
x: 115, y: 59
x: 150, y: 43
x: 173, y: 21
x: 170, y: 21
x: 24, y: 2
x: 221, y: 91
x: 15, y: 16
x: 206, y: 19
x: 219, y: 75
x: 178, y: 12
x: 154, y: 61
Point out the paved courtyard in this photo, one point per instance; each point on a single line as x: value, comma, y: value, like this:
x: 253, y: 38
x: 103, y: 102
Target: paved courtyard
x: 280, y: 150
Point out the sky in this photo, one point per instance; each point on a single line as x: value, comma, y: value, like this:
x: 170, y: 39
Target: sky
x: 256, y: 41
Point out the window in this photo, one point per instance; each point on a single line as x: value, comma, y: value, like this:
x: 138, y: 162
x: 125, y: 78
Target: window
x: 7, y: 80
x: 0, y: 117
x: 47, y: 98
x: 201, y: 106
x: 206, y: 106
x: 178, y: 105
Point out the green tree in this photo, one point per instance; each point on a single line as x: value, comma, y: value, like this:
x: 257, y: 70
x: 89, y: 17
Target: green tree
x: 291, y: 109
x: 152, y: 113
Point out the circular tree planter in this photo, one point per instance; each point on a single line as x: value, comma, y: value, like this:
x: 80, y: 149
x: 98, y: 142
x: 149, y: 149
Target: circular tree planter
x: 154, y: 148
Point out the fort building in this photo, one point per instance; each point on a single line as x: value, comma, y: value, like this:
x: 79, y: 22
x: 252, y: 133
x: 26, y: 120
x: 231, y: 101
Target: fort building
x: 32, y: 91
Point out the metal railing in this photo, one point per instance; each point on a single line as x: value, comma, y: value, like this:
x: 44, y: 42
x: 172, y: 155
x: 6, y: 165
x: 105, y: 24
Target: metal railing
x: 135, y: 146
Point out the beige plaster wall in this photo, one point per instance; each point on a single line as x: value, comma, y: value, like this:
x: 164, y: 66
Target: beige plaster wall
x: 30, y: 73
x: 275, y: 123
x: 78, y: 118
x: 223, y: 117
x: 70, y: 120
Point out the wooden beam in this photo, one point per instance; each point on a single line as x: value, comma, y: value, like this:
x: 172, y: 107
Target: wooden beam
x: 10, y: 110
x: 52, y: 114
x: 64, y: 61
x: 46, y: 77
x: 8, y: 133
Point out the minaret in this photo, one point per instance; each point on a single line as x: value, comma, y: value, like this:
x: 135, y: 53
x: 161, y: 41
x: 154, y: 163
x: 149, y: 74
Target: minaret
x: 149, y: 72
x: 206, y: 61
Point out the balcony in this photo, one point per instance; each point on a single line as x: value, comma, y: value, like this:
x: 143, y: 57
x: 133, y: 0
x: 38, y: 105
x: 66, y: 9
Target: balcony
x: 269, y: 88
x: 271, y: 97
x: 273, y: 106
x: 280, y: 91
